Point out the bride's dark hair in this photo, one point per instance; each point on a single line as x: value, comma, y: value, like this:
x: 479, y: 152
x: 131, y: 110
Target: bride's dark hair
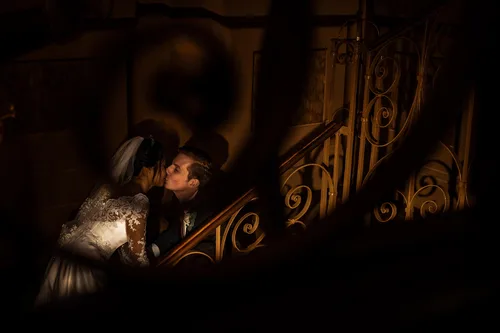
x: 149, y: 153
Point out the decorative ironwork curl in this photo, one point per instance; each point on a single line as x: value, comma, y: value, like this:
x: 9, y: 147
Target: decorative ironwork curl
x: 431, y: 205
x: 248, y: 228
x: 378, y: 71
x: 387, y: 113
x: 345, y: 56
x: 428, y: 206
x: 294, y: 199
x: 387, y: 208
x: 191, y: 253
x: 249, y: 223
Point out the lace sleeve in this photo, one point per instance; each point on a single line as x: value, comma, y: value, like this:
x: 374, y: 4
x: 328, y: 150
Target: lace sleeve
x: 134, y: 251
x: 78, y: 227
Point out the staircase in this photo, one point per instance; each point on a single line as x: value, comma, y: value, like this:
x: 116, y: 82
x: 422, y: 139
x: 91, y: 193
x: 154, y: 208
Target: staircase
x: 386, y: 81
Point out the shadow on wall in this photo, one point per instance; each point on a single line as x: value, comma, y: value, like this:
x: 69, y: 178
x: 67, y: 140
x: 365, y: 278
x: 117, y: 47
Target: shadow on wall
x: 214, y: 144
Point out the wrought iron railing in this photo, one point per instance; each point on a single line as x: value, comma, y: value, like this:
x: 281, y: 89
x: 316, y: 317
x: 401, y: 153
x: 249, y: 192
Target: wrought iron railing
x: 227, y: 223
x: 399, y: 73
x: 386, y: 83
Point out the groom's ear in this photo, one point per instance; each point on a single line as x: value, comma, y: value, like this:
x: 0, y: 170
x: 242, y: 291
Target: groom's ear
x: 194, y: 183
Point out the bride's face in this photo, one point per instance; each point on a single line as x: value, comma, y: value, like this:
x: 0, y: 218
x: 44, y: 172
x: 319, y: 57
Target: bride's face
x: 160, y: 175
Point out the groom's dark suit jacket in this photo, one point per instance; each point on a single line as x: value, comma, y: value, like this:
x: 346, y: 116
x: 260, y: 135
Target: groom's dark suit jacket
x: 173, y: 212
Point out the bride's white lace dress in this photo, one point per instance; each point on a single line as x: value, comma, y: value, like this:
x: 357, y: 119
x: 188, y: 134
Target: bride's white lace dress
x: 103, y: 225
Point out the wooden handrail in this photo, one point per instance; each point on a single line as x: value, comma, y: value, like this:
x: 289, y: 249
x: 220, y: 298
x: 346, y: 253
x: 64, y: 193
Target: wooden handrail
x: 294, y: 155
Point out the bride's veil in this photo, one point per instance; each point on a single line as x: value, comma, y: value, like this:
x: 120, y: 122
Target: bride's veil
x: 122, y: 162
x: 122, y: 171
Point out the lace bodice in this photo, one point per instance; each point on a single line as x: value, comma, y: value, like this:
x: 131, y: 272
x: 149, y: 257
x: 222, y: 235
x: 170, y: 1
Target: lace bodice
x: 103, y: 224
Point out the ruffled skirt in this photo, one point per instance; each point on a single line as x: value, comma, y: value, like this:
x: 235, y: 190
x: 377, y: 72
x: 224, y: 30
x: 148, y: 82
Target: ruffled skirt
x: 65, y: 278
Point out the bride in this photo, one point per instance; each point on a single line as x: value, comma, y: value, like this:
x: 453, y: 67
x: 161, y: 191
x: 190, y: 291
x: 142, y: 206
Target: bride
x: 112, y: 218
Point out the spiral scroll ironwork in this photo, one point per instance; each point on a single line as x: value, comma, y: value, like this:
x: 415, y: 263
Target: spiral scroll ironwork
x: 343, y: 56
x: 293, y: 199
x: 193, y: 253
x: 388, y: 210
x: 398, y: 74
x: 249, y: 228
x: 383, y: 99
x: 248, y: 222
x: 430, y: 206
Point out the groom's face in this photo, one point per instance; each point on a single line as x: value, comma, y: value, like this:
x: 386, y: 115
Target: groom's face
x: 178, y: 174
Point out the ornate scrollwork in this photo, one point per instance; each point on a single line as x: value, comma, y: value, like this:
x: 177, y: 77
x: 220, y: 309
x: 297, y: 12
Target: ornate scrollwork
x: 383, y: 78
x: 425, y: 186
x: 380, y: 71
x: 249, y: 228
x: 387, y: 211
x: 197, y: 253
x: 388, y: 115
x: 384, y: 117
x: 398, y: 73
x: 249, y: 222
x: 431, y: 206
x: 293, y: 198
x: 344, y: 51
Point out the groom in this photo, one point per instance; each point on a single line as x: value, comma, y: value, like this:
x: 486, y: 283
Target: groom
x: 189, y: 172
